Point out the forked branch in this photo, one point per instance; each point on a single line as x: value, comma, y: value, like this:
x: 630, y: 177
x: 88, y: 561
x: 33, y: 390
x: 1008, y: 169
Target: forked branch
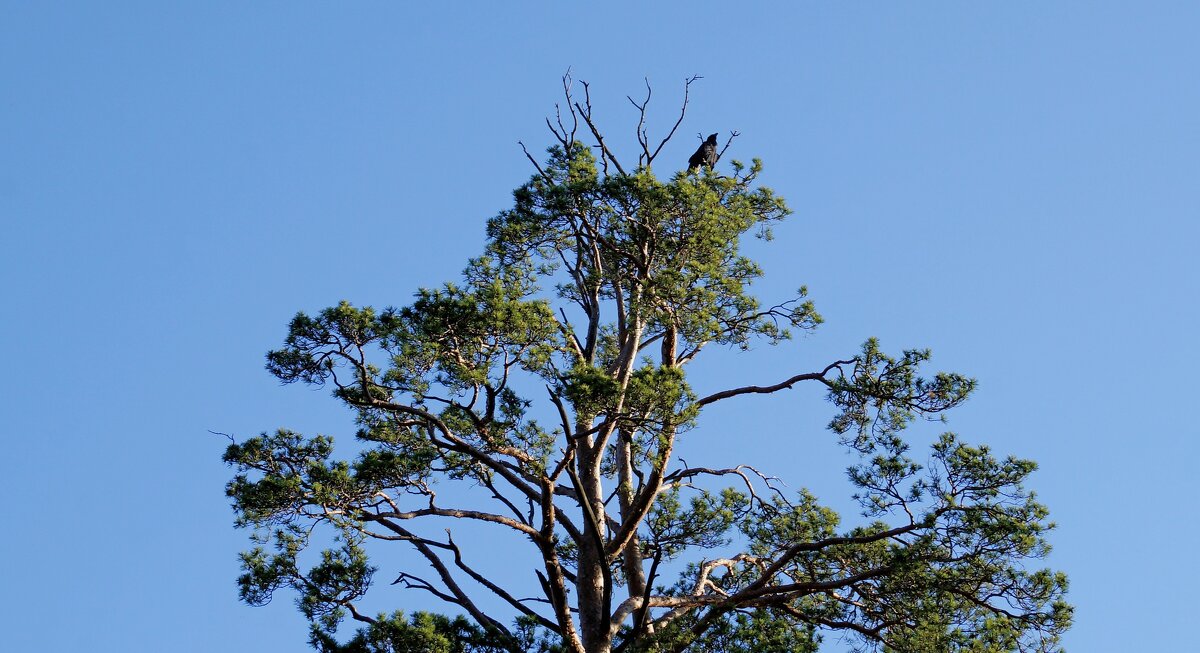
x: 647, y: 157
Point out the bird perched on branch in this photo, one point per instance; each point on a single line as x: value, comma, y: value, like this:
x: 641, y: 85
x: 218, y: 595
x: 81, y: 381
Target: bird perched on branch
x: 705, y: 156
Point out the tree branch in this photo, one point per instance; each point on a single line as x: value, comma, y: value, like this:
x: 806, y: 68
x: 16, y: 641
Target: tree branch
x: 457, y: 595
x: 496, y: 589
x: 463, y: 514
x: 788, y: 383
x: 687, y: 85
x: 586, y: 112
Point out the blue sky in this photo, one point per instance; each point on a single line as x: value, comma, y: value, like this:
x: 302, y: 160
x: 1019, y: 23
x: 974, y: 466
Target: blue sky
x: 1015, y: 185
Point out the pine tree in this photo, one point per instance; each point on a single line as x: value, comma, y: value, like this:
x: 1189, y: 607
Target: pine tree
x: 552, y: 382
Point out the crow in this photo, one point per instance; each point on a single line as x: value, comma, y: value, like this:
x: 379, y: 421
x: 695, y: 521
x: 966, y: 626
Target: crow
x: 705, y: 156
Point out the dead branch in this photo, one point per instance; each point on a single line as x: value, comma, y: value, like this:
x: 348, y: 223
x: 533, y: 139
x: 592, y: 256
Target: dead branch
x: 537, y: 166
x: 687, y: 472
x: 687, y: 85
x: 732, y: 135
x: 585, y: 111
x: 230, y: 437
x: 643, y: 158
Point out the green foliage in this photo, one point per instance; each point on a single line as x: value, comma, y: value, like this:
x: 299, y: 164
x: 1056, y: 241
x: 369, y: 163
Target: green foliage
x: 341, y: 575
x: 590, y: 389
x: 882, y: 395
x: 421, y: 633
x: 680, y: 237
x: 753, y: 631
x: 658, y: 397
x: 704, y: 524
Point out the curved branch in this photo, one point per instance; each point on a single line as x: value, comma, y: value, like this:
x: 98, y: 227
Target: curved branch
x: 732, y: 135
x: 788, y: 383
x: 689, y: 472
x: 687, y: 85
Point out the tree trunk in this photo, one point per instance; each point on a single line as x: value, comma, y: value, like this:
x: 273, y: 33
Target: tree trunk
x: 592, y: 579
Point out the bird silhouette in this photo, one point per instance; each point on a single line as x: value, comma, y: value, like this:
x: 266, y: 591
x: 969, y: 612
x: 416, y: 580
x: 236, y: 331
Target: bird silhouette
x: 705, y: 156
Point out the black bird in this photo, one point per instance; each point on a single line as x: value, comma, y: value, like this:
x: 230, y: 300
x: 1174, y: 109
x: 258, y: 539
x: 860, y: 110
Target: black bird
x: 705, y: 156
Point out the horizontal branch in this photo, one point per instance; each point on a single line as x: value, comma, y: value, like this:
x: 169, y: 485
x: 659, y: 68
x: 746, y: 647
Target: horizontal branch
x: 760, y: 592
x: 681, y: 475
x: 788, y: 383
x: 463, y: 514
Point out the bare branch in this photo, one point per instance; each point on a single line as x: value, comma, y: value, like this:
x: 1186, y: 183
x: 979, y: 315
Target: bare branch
x: 535, y: 163
x: 564, y: 327
x: 687, y: 85
x: 643, y: 158
x: 755, y: 389
x: 732, y: 135
x: 688, y: 472
x: 496, y: 589
x: 230, y: 437
x: 410, y: 581
x: 358, y: 616
x: 585, y: 111
x: 487, y: 482
x: 462, y: 514
x: 567, y: 82
x: 455, y: 593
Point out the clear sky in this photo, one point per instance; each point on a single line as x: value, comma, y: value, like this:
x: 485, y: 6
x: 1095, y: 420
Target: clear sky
x: 1015, y: 185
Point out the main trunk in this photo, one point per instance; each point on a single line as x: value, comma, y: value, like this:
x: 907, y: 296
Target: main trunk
x: 592, y: 579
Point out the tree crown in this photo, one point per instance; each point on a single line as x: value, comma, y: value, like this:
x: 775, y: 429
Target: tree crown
x: 553, y: 379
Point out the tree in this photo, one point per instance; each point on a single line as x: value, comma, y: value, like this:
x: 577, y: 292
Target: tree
x: 552, y: 381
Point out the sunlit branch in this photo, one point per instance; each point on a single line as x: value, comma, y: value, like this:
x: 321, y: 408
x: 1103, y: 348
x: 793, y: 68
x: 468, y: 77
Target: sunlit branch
x: 786, y: 384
